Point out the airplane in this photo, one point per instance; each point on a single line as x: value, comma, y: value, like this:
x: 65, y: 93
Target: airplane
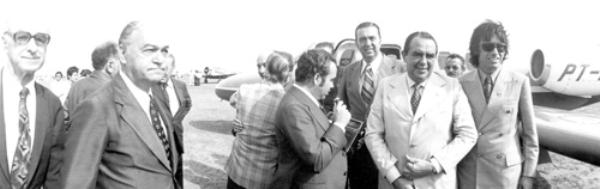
x: 565, y: 94
x: 216, y: 73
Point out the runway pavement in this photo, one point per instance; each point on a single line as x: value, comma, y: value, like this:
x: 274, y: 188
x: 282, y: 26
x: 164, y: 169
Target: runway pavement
x: 208, y: 143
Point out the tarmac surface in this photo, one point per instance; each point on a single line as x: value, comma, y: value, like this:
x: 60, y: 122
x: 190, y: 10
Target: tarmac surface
x: 208, y: 142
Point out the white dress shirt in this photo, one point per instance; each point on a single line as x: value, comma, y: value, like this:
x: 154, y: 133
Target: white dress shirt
x: 11, y: 86
x: 142, y: 97
x: 173, y: 101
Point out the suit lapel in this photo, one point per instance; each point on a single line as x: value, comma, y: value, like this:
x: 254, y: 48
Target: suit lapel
x: 497, y: 93
x: 179, y: 92
x: 135, y: 117
x: 473, y: 89
x: 431, y: 96
x: 3, y: 152
x: 317, y: 113
x: 166, y: 120
x: 42, y: 121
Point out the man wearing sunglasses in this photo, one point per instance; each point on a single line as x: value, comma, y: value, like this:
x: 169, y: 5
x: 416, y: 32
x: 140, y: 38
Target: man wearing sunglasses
x: 506, y: 152
x: 122, y: 136
x: 31, y: 116
x: 455, y: 65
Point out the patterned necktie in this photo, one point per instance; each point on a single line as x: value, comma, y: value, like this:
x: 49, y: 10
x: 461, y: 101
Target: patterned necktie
x: 160, y: 132
x: 23, y: 152
x: 487, y: 88
x: 368, y: 86
x: 416, y: 97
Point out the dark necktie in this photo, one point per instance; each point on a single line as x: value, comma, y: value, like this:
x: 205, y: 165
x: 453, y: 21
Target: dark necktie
x: 18, y: 171
x: 487, y: 88
x: 368, y: 86
x: 160, y: 132
x: 416, y: 97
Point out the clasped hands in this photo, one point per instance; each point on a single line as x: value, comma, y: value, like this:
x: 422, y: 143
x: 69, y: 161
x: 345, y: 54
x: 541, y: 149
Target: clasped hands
x: 414, y: 168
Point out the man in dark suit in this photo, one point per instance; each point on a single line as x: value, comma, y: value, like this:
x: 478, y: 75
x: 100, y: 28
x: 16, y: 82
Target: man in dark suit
x: 121, y: 137
x: 356, y: 88
x: 31, y: 116
x: 311, y: 147
x: 174, y: 95
x: 105, y: 60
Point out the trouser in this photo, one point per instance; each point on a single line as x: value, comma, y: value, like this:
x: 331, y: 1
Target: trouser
x: 362, y: 172
x: 233, y: 185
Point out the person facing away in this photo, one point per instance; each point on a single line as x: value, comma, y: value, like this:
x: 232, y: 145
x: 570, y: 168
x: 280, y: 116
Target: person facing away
x: 106, y: 63
x: 31, y: 116
x: 507, y: 149
x: 310, y: 145
x: 356, y: 88
x: 121, y: 137
x: 253, y: 158
x: 420, y: 123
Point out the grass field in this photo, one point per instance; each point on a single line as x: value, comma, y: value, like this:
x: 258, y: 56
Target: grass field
x: 208, y: 144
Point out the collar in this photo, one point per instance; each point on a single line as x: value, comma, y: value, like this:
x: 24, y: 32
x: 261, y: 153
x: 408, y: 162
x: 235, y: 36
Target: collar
x: 137, y: 92
x: 374, y: 64
x: 9, y: 75
x: 494, y: 75
x: 410, y: 82
x: 312, y: 98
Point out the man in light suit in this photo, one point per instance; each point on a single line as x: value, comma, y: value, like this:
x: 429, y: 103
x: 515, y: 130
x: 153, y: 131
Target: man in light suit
x: 506, y: 152
x: 105, y: 60
x: 31, y: 116
x: 310, y: 145
x: 420, y: 123
x: 356, y: 88
x: 174, y: 95
x: 121, y: 137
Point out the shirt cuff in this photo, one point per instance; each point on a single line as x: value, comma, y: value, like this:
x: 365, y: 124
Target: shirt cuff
x: 392, y: 175
x: 343, y: 128
x: 437, y: 167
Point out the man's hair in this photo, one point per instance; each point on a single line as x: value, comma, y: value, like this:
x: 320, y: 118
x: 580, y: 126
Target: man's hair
x: 126, y: 33
x: 485, y: 31
x: 71, y: 70
x: 277, y: 63
x: 85, y: 72
x: 311, y: 63
x: 103, y: 53
x: 364, y: 25
x: 419, y: 34
x: 457, y: 56
x: 325, y: 44
x: 58, y: 72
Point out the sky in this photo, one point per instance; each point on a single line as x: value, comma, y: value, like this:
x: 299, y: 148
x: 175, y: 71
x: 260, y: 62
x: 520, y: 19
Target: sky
x: 230, y: 34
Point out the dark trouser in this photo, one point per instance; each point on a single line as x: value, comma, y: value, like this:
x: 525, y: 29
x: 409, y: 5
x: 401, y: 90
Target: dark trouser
x: 233, y: 185
x: 362, y: 172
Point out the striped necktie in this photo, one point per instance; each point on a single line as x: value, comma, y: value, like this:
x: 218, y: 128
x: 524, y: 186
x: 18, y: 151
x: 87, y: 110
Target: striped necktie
x: 18, y: 171
x: 368, y: 86
x: 160, y: 132
x: 416, y: 97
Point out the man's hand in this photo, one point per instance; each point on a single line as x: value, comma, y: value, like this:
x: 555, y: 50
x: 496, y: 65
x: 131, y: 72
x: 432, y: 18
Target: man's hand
x: 526, y: 183
x: 341, y: 113
x: 402, y: 183
x: 417, y: 168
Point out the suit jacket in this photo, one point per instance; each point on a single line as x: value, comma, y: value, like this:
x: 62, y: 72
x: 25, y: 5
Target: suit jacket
x: 112, y: 144
x: 442, y: 127
x: 350, y: 85
x: 43, y: 169
x: 507, y: 133
x: 83, y: 88
x: 185, y: 104
x: 311, y: 148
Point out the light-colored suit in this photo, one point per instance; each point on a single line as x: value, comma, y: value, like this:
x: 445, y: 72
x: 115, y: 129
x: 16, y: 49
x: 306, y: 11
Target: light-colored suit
x: 45, y: 155
x: 112, y: 144
x: 496, y: 159
x: 311, y: 153
x: 442, y: 127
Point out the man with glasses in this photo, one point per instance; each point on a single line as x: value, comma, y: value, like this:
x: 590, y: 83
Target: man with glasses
x: 31, y: 116
x: 506, y: 152
x: 455, y: 65
x: 122, y: 136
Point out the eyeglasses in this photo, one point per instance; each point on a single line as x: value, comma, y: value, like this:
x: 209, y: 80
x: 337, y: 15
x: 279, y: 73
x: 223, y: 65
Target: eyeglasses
x: 23, y: 37
x: 487, y: 47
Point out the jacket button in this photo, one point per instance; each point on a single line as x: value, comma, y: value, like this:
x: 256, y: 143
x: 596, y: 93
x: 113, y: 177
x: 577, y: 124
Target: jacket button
x: 345, y: 173
x: 480, y: 134
x: 499, y: 156
x: 412, y: 145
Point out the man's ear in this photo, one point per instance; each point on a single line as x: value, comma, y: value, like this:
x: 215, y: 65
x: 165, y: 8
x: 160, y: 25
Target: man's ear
x: 317, y: 80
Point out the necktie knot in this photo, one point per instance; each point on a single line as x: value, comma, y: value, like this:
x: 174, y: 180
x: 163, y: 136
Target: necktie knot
x: 416, y: 97
x: 24, y: 92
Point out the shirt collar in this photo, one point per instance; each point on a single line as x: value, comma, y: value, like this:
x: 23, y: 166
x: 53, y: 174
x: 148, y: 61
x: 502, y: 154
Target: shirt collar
x: 312, y: 98
x: 494, y: 75
x: 374, y: 64
x: 137, y: 92
x: 411, y: 82
x: 9, y: 75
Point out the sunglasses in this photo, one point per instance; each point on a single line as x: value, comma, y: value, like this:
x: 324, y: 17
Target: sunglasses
x: 23, y: 37
x: 487, y: 47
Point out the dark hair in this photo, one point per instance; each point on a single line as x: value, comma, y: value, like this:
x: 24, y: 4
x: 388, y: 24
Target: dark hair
x: 364, y: 25
x: 420, y: 34
x: 311, y: 63
x: 102, y: 53
x: 85, y: 72
x: 485, y: 31
x: 71, y: 70
x: 126, y: 33
x: 277, y: 63
x: 58, y: 72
